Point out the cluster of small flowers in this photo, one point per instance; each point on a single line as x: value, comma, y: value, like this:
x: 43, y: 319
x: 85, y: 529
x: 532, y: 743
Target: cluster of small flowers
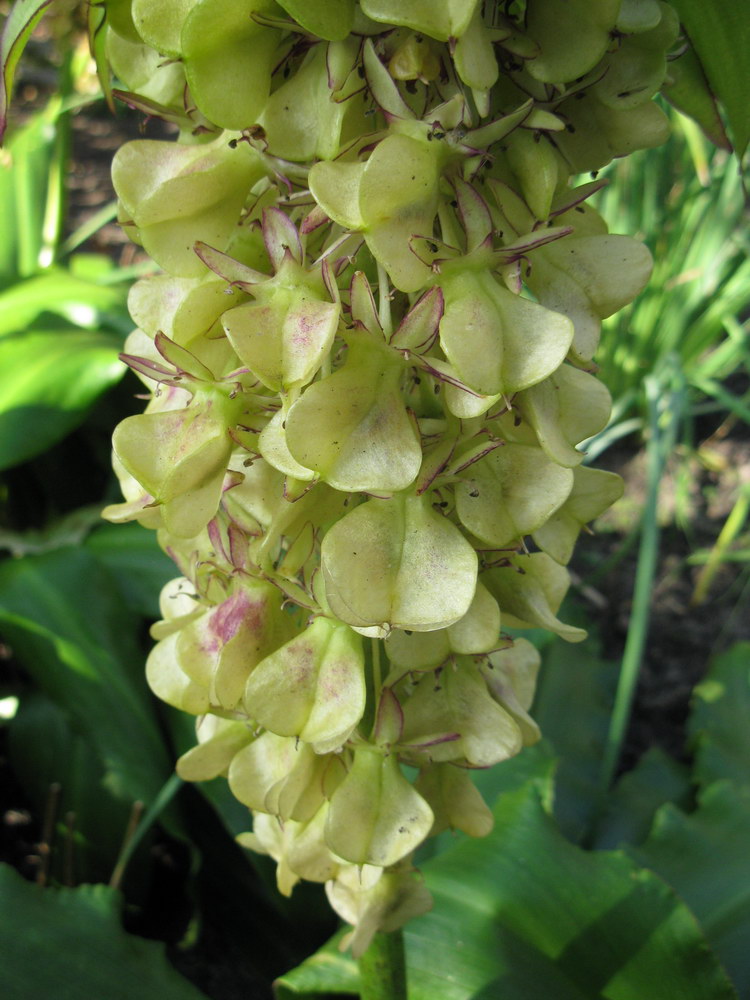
x: 369, y: 358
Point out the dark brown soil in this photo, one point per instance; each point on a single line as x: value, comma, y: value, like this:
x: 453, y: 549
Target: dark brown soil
x: 686, y: 630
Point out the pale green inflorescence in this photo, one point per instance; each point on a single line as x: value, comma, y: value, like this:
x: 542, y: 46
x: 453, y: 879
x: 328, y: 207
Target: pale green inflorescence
x: 370, y: 363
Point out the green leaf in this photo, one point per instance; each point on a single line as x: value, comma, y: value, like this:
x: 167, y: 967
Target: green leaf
x: 73, y: 947
x: 45, y: 749
x: 687, y: 89
x: 575, y: 677
x: 705, y: 857
x: 68, y: 625
x: 48, y: 380
x: 21, y: 21
x: 327, y: 971
x: 132, y: 555
x: 655, y: 780
x: 85, y: 304
x: 717, y: 726
x: 523, y: 913
x: 720, y: 33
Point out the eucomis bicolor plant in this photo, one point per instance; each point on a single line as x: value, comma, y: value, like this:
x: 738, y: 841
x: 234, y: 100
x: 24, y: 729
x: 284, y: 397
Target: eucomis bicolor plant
x: 369, y: 359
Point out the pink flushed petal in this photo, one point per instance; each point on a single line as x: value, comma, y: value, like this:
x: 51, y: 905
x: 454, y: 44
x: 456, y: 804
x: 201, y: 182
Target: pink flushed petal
x: 280, y: 237
x: 422, y: 321
x: 313, y: 220
x: 237, y: 275
x: 151, y: 369
x: 237, y: 546
x: 578, y: 195
x: 519, y: 248
x: 474, y: 213
x: 435, y: 741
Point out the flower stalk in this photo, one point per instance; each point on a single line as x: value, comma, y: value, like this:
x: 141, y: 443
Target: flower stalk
x: 382, y: 968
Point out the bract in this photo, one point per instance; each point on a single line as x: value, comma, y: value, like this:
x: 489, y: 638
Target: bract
x: 313, y: 687
x: 228, y: 58
x: 510, y: 493
x: 397, y: 563
x: 353, y: 429
x: 565, y: 409
x: 594, y: 490
x: 375, y: 816
x: 458, y: 705
x: 455, y: 800
x: 529, y: 591
x: 496, y: 341
x: 179, y: 194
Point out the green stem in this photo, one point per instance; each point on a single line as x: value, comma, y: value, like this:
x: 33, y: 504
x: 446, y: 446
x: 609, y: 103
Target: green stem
x: 382, y: 968
x: 665, y: 409
x: 377, y: 677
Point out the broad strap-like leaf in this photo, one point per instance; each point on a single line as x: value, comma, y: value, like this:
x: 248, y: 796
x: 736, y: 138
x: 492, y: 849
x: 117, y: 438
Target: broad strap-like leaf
x: 717, y: 726
x: 720, y: 33
x: 71, y: 629
x: 523, y: 913
x: 48, y: 381
x: 23, y: 18
x: 704, y: 856
x: 72, y: 945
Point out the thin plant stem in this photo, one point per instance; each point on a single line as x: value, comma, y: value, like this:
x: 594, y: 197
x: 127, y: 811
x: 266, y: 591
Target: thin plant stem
x: 140, y: 823
x: 732, y: 527
x: 661, y: 404
x: 377, y: 676
x: 382, y: 968
x: 48, y: 831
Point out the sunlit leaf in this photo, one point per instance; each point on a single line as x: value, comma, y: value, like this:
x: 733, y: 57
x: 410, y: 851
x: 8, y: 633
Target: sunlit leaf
x: 23, y: 18
x: 48, y: 381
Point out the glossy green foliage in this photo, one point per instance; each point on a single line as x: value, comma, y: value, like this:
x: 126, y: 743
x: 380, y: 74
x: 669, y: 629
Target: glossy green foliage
x: 16, y: 32
x: 714, y: 34
x: 57, y: 924
x: 62, y: 321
